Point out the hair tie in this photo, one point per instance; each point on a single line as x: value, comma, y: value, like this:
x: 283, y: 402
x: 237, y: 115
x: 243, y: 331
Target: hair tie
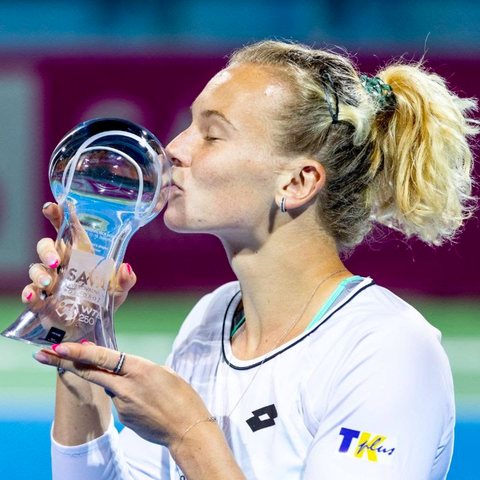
x: 377, y: 89
x: 333, y: 113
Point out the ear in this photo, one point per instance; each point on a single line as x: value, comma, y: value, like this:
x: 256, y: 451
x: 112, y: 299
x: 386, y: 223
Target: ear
x: 300, y: 184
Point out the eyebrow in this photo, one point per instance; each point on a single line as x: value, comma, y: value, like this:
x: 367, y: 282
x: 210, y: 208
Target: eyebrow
x: 216, y: 113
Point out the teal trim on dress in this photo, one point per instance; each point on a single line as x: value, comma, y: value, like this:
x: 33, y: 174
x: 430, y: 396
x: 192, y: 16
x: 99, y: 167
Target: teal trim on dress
x: 332, y: 299
x: 239, y: 324
x: 322, y: 311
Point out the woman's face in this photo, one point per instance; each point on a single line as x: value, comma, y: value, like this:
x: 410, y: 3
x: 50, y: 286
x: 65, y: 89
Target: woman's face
x: 224, y: 165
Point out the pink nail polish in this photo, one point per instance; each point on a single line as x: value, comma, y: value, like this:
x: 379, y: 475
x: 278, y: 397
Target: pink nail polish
x: 60, y: 349
x: 29, y: 296
x: 52, y: 260
x: 84, y: 341
x: 129, y: 268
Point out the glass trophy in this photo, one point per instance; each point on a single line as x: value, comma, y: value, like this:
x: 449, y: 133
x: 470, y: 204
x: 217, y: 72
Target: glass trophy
x: 111, y: 177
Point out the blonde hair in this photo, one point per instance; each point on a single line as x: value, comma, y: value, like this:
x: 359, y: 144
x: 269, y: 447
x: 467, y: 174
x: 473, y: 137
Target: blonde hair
x: 406, y: 164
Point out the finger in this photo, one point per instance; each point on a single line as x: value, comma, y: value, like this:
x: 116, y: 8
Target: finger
x: 39, y: 276
x: 90, y: 354
x: 30, y: 294
x: 126, y: 279
x: 91, y: 373
x: 47, y: 253
x: 54, y: 213
x: 81, y: 238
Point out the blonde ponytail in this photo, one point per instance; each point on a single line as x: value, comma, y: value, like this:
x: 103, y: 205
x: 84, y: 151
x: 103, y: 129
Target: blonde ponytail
x: 422, y: 156
x: 405, y: 163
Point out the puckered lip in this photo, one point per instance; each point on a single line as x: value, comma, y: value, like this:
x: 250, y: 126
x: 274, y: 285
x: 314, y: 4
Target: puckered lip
x: 173, y: 183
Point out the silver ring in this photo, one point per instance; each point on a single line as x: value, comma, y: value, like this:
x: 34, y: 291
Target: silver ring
x: 30, y: 266
x: 60, y: 370
x: 283, y: 208
x: 119, y: 366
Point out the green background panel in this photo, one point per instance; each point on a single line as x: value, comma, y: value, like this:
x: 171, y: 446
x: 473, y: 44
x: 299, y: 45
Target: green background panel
x: 165, y: 313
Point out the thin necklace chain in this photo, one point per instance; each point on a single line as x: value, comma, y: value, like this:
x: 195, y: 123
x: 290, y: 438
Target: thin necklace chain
x: 284, y: 335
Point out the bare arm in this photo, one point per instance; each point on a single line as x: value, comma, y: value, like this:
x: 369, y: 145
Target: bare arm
x: 204, y: 454
x: 82, y: 411
x: 154, y: 402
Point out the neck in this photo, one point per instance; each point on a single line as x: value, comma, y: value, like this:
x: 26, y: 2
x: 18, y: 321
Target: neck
x: 279, y: 280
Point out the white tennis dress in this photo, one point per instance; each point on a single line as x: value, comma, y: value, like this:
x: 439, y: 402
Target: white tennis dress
x: 365, y: 392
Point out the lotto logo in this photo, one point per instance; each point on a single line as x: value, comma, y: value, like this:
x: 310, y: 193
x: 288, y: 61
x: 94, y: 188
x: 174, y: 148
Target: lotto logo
x: 357, y: 444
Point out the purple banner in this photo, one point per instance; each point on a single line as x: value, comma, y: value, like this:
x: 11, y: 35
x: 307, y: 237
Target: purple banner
x: 156, y: 91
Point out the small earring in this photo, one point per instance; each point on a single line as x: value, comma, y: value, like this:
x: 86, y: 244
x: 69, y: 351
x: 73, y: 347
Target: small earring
x: 283, y: 209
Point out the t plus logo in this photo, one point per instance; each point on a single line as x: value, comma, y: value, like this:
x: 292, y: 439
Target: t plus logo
x: 357, y: 444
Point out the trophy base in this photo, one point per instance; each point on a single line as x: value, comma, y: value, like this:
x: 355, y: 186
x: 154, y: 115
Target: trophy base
x: 35, y: 329
x: 7, y: 334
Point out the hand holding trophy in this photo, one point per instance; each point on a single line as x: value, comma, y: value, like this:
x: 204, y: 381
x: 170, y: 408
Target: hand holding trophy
x: 111, y: 177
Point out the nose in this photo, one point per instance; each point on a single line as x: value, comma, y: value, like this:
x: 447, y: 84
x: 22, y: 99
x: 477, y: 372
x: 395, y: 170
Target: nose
x: 178, y: 151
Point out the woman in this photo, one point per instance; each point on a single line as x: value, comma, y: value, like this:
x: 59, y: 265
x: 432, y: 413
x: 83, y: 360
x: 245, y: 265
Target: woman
x: 300, y: 370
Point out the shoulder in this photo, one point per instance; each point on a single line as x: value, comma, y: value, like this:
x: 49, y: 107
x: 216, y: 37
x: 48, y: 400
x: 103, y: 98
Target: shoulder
x: 383, y: 357
x: 212, y: 306
x: 375, y: 336
x: 377, y: 313
x: 205, y: 320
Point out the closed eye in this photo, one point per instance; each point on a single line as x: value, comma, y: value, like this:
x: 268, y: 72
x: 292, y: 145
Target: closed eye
x: 210, y: 139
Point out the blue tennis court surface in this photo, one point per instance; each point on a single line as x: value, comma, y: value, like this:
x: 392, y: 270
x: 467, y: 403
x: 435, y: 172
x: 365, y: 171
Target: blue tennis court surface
x: 26, y: 451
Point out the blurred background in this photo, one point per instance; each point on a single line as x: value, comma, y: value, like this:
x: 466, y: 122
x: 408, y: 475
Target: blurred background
x: 65, y: 62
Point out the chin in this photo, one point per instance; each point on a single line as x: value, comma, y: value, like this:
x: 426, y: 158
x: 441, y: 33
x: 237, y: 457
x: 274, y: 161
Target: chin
x: 176, y: 220
x: 178, y: 223
x: 175, y: 226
